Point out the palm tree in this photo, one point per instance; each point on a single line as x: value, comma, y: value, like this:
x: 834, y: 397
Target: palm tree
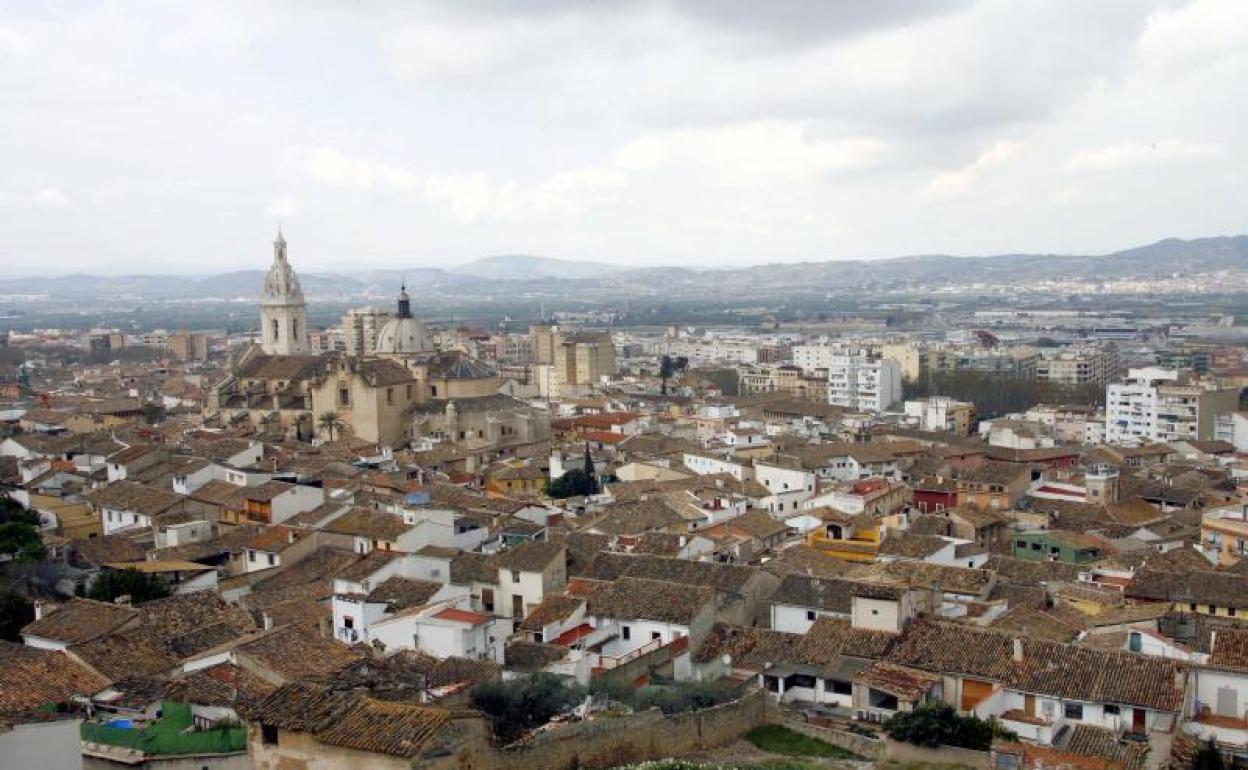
x: 331, y: 422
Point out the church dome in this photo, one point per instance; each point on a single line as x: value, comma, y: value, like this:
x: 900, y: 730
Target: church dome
x: 281, y: 283
x: 403, y: 335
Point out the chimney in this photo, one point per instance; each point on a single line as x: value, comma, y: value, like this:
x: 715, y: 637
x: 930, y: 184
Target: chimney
x: 1178, y: 679
x: 123, y: 600
x: 41, y: 609
x: 266, y: 621
x: 1018, y: 650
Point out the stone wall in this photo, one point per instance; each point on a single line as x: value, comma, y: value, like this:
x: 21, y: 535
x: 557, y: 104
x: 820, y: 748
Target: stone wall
x: 862, y: 745
x: 606, y: 742
x: 883, y: 748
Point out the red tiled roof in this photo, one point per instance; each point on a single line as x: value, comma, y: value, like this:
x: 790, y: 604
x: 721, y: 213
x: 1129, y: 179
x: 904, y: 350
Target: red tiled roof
x: 461, y: 616
x: 572, y: 634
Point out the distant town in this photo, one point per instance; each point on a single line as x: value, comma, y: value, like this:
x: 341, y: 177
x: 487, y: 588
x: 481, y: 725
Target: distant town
x: 969, y: 531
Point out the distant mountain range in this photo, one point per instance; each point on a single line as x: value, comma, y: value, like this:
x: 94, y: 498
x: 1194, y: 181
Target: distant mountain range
x: 511, y: 273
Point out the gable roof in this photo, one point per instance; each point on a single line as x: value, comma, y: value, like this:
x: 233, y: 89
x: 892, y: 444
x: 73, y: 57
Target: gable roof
x: 531, y: 556
x: 637, y: 598
x: 31, y: 678
x: 81, y: 620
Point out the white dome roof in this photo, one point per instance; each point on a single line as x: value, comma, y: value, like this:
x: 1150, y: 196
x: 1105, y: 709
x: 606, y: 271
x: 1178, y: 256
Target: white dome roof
x: 403, y: 336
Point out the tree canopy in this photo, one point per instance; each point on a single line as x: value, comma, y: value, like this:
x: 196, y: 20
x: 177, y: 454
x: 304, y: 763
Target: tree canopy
x: 139, y: 586
x: 574, y: 483
x: 939, y: 724
x: 19, y: 532
x: 518, y: 705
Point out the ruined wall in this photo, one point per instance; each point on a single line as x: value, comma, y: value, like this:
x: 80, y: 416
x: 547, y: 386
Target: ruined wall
x: 605, y: 742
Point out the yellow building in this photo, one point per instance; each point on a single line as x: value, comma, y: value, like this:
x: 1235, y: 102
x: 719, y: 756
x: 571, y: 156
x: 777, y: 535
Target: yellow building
x: 855, y: 539
x: 1224, y: 532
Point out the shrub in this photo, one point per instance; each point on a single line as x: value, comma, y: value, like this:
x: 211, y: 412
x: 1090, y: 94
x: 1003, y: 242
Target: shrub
x: 1207, y: 757
x: 518, y: 705
x: 685, y: 696
x: 939, y: 724
x: 15, y: 612
x: 139, y: 586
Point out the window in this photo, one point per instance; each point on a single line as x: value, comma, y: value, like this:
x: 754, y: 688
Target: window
x: 626, y: 632
x: 515, y: 576
x: 268, y: 733
x: 840, y: 688
x: 275, y: 336
x: 1022, y: 543
x: 390, y: 396
x: 810, y: 614
x: 656, y: 636
x: 1111, y: 709
x: 294, y: 329
x: 409, y: 392
x: 251, y: 556
x: 344, y: 397
x: 1074, y: 711
x: 348, y: 621
x: 272, y: 559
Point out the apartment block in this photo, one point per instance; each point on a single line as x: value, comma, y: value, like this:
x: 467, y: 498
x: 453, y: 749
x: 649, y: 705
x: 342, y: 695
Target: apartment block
x: 360, y: 327
x: 1154, y: 404
x: 1079, y: 366
x: 861, y: 383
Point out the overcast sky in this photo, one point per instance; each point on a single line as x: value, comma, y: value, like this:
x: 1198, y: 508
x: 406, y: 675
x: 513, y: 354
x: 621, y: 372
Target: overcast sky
x: 147, y: 137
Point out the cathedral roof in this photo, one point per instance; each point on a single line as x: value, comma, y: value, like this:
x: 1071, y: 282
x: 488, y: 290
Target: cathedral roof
x: 402, y: 336
x: 454, y: 365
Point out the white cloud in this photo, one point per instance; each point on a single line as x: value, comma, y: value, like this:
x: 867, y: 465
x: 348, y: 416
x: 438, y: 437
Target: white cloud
x: 332, y: 167
x: 563, y: 195
x: 49, y: 198
x: 38, y: 198
x: 738, y: 156
x: 750, y: 152
x: 13, y: 42
x: 1204, y: 29
x: 1134, y: 154
x: 961, y: 181
x: 282, y: 207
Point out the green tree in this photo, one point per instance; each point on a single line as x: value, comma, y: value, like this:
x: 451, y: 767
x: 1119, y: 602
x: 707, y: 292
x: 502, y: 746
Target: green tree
x: 591, y: 473
x: 939, y: 724
x: 139, y: 586
x: 19, y: 532
x: 574, y: 483
x: 15, y: 612
x: 685, y: 696
x: 21, y: 542
x: 1208, y: 757
x: 667, y: 367
x: 13, y: 511
x: 153, y: 413
x: 330, y: 422
x: 519, y: 705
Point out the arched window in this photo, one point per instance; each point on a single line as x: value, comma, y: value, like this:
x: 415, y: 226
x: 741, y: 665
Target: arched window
x: 274, y: 330
x: 294, y: 330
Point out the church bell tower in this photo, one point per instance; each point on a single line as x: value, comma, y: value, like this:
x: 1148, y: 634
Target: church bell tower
x: 283, y: 311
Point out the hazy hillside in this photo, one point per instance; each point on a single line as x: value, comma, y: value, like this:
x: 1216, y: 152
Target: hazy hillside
x: 517, y: 273
x: 520, y: 267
